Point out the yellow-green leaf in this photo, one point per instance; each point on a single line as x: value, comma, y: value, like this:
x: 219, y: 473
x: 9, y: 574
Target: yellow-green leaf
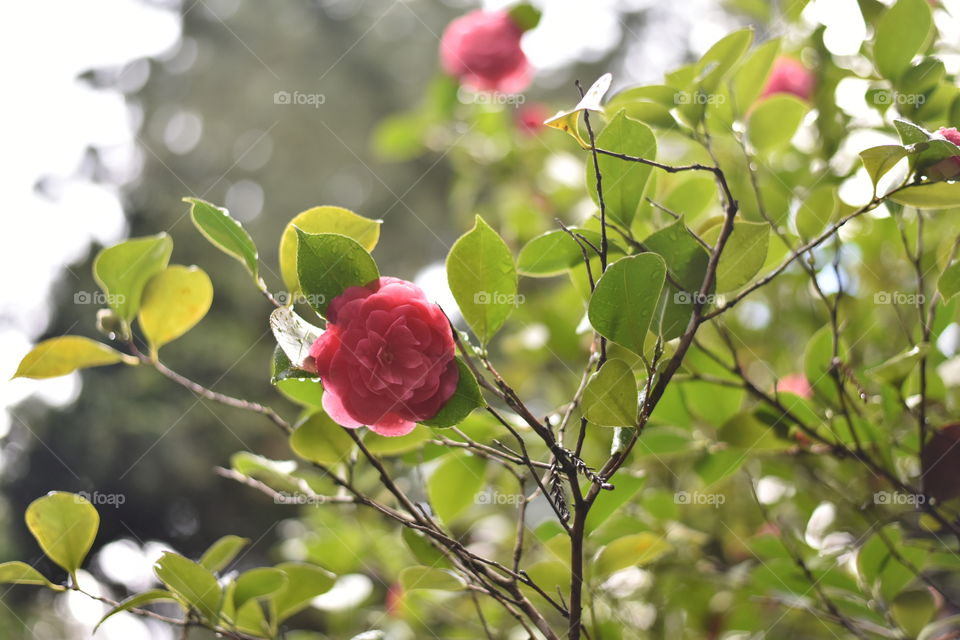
x: 634, y: 550
x: 60, y: 356
x: 65, y: 526
x: 122, y: 271
x: 22, y: 573
x: 174, y: 301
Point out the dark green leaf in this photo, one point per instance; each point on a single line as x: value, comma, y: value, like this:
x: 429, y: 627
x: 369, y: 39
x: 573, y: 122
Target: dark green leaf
x: 610, y: 398
x: 465, y: 399
x: 328, y: 264
x: 224, y: 232
x: 625, y: 298
x: 624, y: 181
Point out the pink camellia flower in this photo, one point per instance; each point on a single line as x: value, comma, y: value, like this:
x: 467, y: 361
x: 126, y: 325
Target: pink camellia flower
x: 386, y: 359
x: 795, y: 383
x: 790, y: 76
x: 482, y: 49
x: 948, y: 168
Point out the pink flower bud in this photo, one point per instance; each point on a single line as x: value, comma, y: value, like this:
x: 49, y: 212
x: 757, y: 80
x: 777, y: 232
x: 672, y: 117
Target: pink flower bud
x: 790, y: 76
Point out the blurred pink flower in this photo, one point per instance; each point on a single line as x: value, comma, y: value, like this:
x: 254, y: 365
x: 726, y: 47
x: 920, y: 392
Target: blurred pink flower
x: 790, y: 76
x: 795, y: 383
x: 386, y: 359
x: 530, y: 117
x: 482, y: 49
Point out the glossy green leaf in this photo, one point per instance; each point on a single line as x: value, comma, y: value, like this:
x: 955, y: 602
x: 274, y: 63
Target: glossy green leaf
x: 455, y: 483
x: 430, y: 578
x: 637, y: 550
x: 686, y: 262
x: 174, y: 301
x: 461, y: 404
x: 745, y: 431
x: 304, y: 583
x: 818, y: 361
x: 224, y: 232
x: 197, y: 586
x: 123, y: 270
x: 65, y: 526
x: 483, y: 279
x: 59, y: 356
x: 744, y: 254
x: 933, y: 195
x: 722, y: 57
x: 320, y: 439
x: 222, y: 552
x: 774, y: 121
x: 949, y: 282
x: 880, y: 160
x: 137, y: 601
x: 610, y: 397
x: 623, y: 303
x: 555, y: 252
x: 901, y: 32
x: 624, y: 181
x: 328, y: 264
x: 258, y: 583
x: 22, y: 573
x: 326, y: 219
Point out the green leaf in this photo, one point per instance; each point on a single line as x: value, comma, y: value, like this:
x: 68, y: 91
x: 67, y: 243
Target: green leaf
x: 275, y: 473
x: 717, y: 465
x: 911, y: 134
x: 896, y: 369
x: 949, y: 282
x: 816, y: 211
x: 774, y: 121
x: 626, y: 295
x: 610, y: 397
x: 137, y: 601
x: 320, y: 439
x: 328, y: 264
x: 258, y: 583
x: 122, y: 271
x: 197, y: 586
x: 65, y: 526
x: 60, y: 356
x: 222, y: 552
x: 422, y: 549
x: 624, y: 182
x: 174, y: 301
x: 901, y: 32
x: 304, y: 583
x: 744, y: 254
x: 298, y: 385
x: 455, y: 483
x: 525, y: 16
x: 483, y: 279
x: 461, y: 404
x: 637, y: 550
x: 325, y: 219
x: 399, y: 445
x: 430, y: 578
x: 608, y: 502
x: 880, y: 160
x: 749, y: 81
x: 818, y: 361
x: 912, y: 610
x: 718, y: 61
x: 22, y: 573
x: 224, y: 233
x: 686, y: 262
x: 554, y: 252
x: 931, y: 195
x: 747, y: 432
